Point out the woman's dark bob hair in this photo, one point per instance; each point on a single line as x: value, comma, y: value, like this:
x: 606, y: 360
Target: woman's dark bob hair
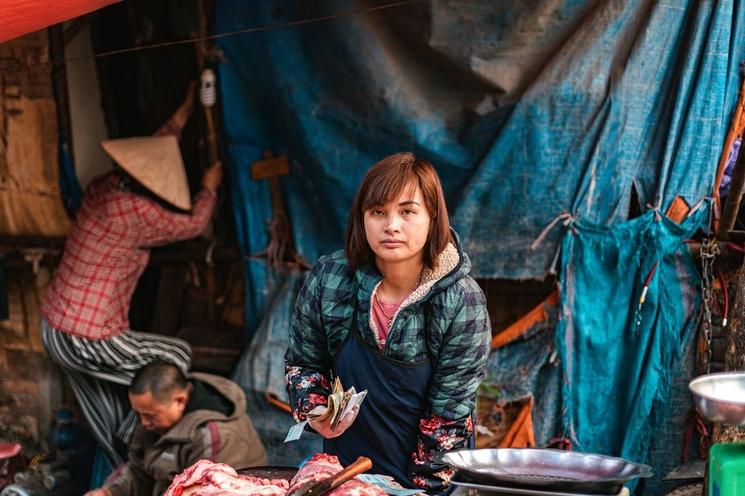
x: 383, y: 183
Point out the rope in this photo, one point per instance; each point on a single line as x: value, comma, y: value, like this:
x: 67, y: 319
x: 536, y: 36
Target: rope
x: 564, y: 216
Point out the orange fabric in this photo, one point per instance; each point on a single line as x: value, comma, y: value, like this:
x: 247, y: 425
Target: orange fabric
x: 517, y: 329
x: 274, y: 400
x: 21, y: 17
x: 736, y: 129
x: 678, y: 210
x: 520, y: 433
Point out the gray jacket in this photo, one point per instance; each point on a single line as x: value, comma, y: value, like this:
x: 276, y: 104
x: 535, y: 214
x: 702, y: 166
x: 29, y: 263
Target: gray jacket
x: 201, y: 434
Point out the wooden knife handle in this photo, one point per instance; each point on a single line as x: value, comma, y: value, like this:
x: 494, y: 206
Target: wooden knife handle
x: 360, y: 466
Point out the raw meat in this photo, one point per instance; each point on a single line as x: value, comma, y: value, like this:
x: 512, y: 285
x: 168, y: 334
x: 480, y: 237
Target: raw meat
x: 206, y: 478
x: 322, y: 466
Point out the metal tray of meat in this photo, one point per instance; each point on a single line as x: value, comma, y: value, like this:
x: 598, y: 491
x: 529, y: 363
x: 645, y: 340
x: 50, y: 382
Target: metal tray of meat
x: 270, y: 472
x: 545, y: 469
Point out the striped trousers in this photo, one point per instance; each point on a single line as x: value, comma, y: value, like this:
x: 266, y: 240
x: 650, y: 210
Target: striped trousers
x: 99, y: 373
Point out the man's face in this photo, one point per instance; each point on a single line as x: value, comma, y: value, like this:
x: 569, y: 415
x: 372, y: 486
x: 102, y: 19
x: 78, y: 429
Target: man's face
x: 158, y: 416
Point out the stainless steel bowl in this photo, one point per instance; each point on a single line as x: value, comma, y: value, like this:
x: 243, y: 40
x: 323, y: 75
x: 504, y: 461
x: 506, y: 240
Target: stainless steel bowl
x: 720, y: 397
x: 547, y: 469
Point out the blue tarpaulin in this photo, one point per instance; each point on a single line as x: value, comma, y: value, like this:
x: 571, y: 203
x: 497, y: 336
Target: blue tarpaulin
x: 527, y: 110
x: 528, y: 368
x: 261, y: 367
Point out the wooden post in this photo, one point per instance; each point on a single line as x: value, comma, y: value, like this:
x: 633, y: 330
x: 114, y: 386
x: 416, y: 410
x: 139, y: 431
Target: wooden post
x: 735, y: 130
x: 280, y: 253
x: 732, y: 206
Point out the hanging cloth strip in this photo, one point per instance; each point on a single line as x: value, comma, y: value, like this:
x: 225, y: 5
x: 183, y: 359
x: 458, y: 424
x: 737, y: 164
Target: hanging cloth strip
x: 617, y: 356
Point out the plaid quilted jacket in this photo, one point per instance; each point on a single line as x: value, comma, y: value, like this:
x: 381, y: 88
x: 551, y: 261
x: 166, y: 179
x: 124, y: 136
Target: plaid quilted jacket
x: 107, y: 251
x: 445, y: 318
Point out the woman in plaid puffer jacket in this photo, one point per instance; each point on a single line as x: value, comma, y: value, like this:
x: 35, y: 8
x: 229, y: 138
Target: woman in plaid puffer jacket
x: 395, y: 313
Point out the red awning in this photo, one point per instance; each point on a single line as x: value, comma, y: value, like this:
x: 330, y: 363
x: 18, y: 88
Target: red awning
x: 20, y: 17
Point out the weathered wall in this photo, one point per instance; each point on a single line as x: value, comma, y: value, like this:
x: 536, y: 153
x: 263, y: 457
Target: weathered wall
x: 30, y: 203
x: 30, y: 206
x: 30, y: 387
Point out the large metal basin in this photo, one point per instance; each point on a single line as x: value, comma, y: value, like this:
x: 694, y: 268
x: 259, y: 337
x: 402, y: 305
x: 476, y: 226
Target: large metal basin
x: 720, y: 397
x: 546, y: 469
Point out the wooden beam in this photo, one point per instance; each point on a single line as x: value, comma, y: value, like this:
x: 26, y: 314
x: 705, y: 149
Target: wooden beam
x: 732, y: 206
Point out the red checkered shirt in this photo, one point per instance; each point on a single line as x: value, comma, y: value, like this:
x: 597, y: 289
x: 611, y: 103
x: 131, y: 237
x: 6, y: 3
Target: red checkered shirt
x: 107, y: 250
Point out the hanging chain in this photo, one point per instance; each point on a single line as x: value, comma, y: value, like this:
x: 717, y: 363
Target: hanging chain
x: 709, y: 251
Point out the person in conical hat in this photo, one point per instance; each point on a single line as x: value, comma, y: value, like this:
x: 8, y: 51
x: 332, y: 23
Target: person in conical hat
x: 155, y: 163
x: 85, y: 327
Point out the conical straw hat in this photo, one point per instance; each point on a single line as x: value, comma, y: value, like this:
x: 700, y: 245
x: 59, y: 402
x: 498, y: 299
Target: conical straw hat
x: 155, y: 162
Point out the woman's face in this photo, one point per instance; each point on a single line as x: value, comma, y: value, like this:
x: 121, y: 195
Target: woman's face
x: 397, y: 231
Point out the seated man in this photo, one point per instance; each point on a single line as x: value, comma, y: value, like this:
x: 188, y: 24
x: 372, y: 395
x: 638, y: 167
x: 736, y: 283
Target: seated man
x: 182, y: 421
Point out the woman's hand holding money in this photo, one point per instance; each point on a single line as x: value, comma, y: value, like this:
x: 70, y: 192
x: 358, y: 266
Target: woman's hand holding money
x: 323, y: 423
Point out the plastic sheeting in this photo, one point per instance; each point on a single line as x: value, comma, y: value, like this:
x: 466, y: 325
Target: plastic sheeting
x: 261, y: 368
x: 70, y: 190
x: 617, y: 357
x: 527, y: 109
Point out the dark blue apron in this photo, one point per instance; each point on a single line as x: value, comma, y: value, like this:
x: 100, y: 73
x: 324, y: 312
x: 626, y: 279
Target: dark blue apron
x: 386, y: 429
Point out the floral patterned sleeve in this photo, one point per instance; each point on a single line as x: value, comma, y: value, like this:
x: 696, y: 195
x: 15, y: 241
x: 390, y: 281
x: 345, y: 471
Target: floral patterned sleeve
x: 437, y: 434
x: 307, y: 389
x: 307, y: 359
